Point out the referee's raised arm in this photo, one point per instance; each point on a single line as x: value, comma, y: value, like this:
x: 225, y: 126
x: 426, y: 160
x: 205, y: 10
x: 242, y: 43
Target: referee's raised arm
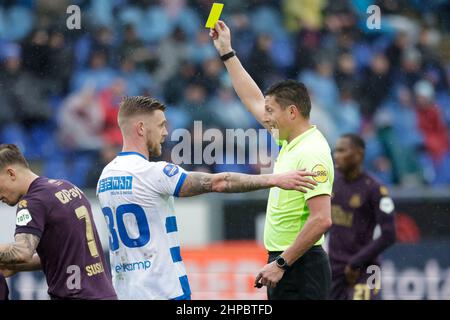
x: 245, y: 87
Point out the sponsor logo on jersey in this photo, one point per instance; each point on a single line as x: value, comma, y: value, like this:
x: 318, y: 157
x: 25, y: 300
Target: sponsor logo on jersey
x: 170, y: 170
x: 322, y: 174
x: 386, y: 205
x: 341, y: 217
x: 23, y: 217
x: 355, y: 201
x: 115, y: 183
x: 23, y: 204
x: 65, y: 196
x: 133, y: 266
x: 384, y: 191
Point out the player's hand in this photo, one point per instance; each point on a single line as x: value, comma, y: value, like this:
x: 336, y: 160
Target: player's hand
x: 269, y: 276
x: 351, y: 275
x: 295, y: 180
x: 221, y: 37
x: 7, y: 272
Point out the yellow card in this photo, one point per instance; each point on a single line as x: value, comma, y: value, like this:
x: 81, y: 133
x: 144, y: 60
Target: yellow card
x: 214, y: 15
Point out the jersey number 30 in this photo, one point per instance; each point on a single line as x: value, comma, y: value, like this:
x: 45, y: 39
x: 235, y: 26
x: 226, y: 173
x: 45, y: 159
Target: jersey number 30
x: 141, y: 221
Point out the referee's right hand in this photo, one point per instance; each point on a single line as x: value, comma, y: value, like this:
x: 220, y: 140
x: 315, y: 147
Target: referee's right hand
x: 295, y: 180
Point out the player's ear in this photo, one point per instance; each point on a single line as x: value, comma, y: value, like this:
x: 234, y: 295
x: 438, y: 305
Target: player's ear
x: 293, y: 112
x: 11, y: 173
x: 140, y: 128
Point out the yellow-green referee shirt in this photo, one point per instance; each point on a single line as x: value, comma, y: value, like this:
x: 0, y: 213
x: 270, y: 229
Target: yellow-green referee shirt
x: 287, y: 211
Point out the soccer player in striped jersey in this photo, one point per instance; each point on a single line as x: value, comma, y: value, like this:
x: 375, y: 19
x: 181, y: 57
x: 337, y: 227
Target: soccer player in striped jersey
x: 136, y: 196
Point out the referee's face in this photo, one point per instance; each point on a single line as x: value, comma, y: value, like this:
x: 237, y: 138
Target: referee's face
x: 276, y: 118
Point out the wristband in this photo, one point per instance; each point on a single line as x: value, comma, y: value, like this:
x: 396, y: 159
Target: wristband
x: 228, y: 55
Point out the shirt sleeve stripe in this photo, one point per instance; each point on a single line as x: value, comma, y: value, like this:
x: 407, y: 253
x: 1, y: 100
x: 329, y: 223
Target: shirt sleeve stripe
x: 175, y: 252
x: 30, y: 230
x: 179, y: 184
x: 171, y: 224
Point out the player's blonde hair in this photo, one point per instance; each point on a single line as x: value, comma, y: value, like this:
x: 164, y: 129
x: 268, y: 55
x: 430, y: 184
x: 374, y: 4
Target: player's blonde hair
x: 137, y: 105
x: 10, y: 154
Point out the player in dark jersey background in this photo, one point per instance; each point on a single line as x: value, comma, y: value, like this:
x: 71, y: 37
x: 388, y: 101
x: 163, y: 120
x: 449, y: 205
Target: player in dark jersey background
x: 53, y: 219
x: 4, y: 292
x: 359, y: 204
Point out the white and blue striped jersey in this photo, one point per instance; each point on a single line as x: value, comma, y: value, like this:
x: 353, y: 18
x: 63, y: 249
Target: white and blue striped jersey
x: 137, y: 201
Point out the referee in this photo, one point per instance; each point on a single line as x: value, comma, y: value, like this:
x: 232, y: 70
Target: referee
x: 298, y: 267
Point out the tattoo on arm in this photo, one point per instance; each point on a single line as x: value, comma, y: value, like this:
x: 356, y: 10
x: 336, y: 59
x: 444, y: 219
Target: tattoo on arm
x: 238, y: 182
x: 227, y: 182
x: 196, y: 183
x: 21, y: 250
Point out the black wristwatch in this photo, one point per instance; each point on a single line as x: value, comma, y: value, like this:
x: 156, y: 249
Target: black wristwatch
x: 281, y: 263
x: 228, y: 55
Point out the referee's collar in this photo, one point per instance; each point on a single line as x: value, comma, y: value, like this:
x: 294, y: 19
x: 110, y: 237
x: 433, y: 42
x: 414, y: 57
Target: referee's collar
x: 300, y: 137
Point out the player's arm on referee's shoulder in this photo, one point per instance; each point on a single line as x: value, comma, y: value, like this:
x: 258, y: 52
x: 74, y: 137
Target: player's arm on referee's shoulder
x: 245, y: 87
x: 230, y: 182
x: 318, y: 222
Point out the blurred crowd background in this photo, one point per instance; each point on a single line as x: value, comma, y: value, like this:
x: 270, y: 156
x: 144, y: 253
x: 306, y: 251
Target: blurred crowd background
x: 60, y: 88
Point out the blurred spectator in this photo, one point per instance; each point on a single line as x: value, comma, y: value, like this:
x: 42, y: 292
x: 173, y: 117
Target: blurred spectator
x: 324, y: 121
x: 23, y: 94
x: 109, y: 100
x: 261, y: 66
x: 270, y: 16
x: 138, y: 82
x: 81, y: 121
x: 321, y: 84
x: 340, y: 16
x: 103, y: 41
x: 308, y: 44
x: 171, y: 52
x: 411, y: 66
x: 243, y: 35
x: 227, y: 111
x: 347, y: 112
x: 16, y: 20
x: 202, y: 49
x: 195, y: 99
x: 61, y: 62
x: 396, y: 121
x: 346, y: 74
x: 376, y: 160
x: 134, y: 49
x: 434, y: 130
x: 395, y: 51
x: 178, y: 82
x: 99, y: 74
x: 36, y: 53
x: 428, y: 47
x: 211, y: 72
x: 303, y: 14
x: 375, y: 85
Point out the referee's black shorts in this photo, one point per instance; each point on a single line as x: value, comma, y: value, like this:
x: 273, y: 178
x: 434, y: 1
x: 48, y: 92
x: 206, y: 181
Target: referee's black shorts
x: 309, y: 278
